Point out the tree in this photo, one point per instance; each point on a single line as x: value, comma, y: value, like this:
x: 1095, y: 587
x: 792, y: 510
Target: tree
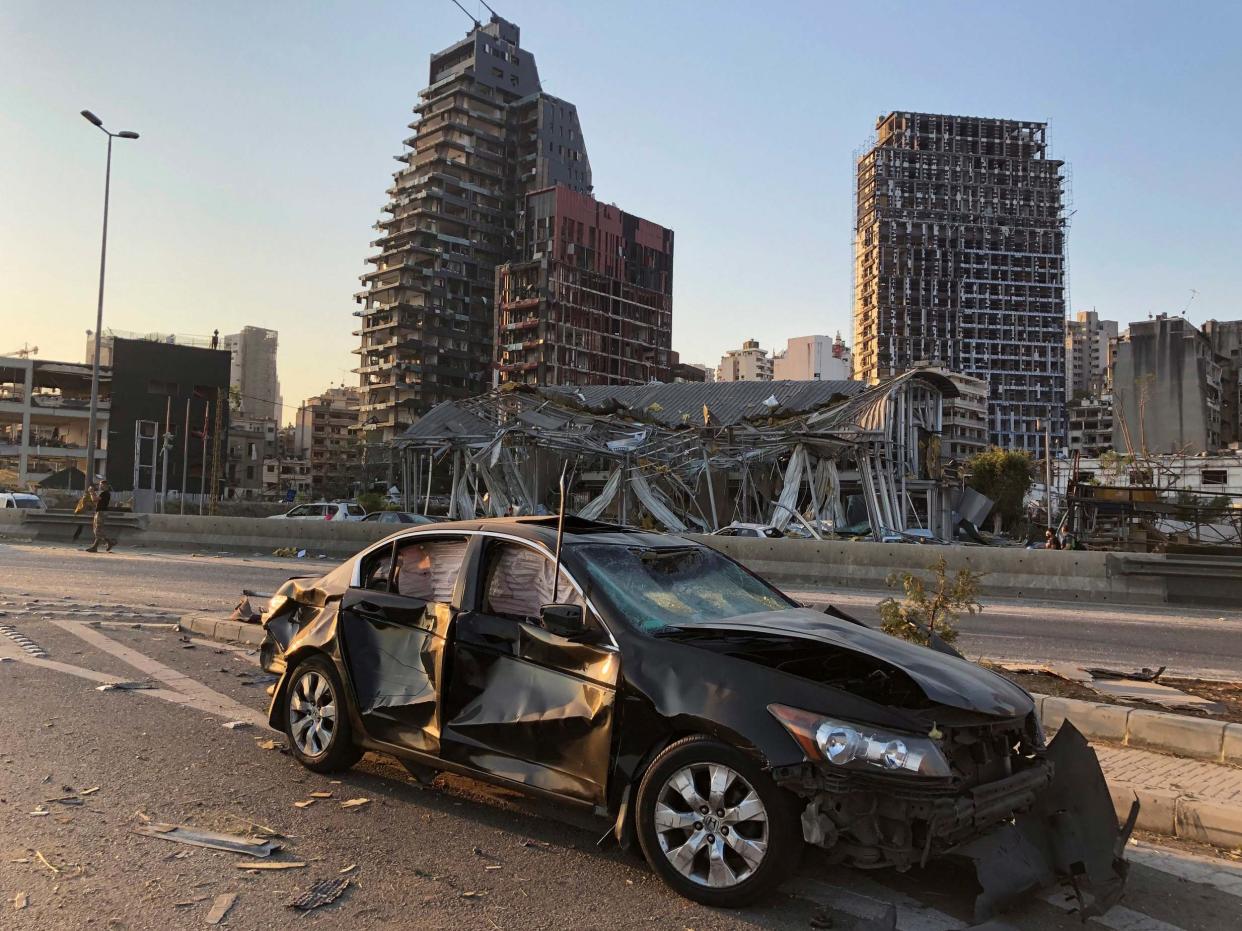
x: 1004, y: 475
x: 923, y: 612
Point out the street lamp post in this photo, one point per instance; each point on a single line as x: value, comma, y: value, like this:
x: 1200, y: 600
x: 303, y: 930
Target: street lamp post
x: 103, y: 258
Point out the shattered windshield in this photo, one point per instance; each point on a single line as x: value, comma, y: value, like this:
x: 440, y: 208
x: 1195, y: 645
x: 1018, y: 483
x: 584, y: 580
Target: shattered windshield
x: 658, y: 588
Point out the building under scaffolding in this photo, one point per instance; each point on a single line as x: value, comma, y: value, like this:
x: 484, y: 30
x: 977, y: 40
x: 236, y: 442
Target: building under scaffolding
x: 840, y: 457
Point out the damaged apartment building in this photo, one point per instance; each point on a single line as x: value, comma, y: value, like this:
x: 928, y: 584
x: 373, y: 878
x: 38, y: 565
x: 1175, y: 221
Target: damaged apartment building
x: 591, y: 302
x: 960, y: 261
x: 485, y: 137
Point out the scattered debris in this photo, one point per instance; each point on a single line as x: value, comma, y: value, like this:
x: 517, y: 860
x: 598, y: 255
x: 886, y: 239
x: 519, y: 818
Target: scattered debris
x: 65, y: 800
x: 321, y: 795
x: 322, y: 893
x: 19, y: 901
x: 1152, y: 691
x: 189, y: 903
x: 39, y: 812
x: 305, y: 803
x: 44, y: 861
x: 220, y: 907
x: 493, y: 866
x: 270, y: 865
x: 348, y: 869
x: 267, y: 745
x: 355, y: 803
x: 123, y: 686
x: 91, y: 791
x: 473, y: 895
x: 235, y: 725
x: 181, y: 834
x: 536, y: 843
x: 245, y: 612
x: 1142, y: 675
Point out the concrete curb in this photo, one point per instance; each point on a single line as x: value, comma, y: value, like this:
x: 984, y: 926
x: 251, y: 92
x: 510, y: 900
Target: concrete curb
x: 215, y: 629
x: 1176, y: 734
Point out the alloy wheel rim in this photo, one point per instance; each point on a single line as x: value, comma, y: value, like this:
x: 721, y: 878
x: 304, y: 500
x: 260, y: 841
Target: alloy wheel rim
x: 312, y: 713
x: 711, y: 824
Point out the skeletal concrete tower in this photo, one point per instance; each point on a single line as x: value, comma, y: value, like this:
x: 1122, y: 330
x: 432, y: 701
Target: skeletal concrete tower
x: 960, y: 260
x: 485, y: 135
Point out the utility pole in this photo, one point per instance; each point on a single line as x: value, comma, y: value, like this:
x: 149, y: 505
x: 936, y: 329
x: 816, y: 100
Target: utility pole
x: 168, y: 439
x: 185, y: 454
x: 202, y: 465
x: 1048, y: 469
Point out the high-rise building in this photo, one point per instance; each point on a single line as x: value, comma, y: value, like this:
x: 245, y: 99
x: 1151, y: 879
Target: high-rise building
x: 485, y: 136
x: 750, y: 363
x: 960, y: 260
x: 1166, y: 389
x: 590, y: 302
x: 252, y: 372
x: 813, y: 358
x: 1087, y: 354
x: 1226, y: 339
x: 323, y: 435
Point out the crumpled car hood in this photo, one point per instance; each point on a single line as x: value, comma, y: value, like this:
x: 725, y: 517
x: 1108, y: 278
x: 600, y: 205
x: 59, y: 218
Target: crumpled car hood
x: 944, y: 679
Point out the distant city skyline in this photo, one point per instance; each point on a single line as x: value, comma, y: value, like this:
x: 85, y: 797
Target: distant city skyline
x: 268, y: 134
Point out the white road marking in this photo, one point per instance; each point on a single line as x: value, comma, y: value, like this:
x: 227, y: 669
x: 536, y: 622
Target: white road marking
x: 187, y: 691
x: 1119, y: 918
x: 912, y: 915
x: 1224, y: 875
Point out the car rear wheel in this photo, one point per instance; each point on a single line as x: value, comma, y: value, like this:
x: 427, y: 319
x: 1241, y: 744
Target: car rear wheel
x: 713, y: 825
x: 317, y: 719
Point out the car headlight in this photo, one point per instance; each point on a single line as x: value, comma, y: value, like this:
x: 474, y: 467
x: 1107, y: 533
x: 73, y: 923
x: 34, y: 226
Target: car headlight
x: 861, y: 746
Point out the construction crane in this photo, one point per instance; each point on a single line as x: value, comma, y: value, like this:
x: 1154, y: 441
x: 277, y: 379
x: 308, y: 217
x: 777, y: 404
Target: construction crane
x: 25, y: 352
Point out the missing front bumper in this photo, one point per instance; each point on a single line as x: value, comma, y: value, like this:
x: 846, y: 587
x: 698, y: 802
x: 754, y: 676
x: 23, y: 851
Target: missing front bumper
x: 1052, y: 821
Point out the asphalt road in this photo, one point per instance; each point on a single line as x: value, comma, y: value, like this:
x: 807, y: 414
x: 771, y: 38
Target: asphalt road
x: 1190, y: 641
x: 457, y: 855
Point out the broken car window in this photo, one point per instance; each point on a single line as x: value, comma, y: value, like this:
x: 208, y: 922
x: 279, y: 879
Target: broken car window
x: 427, y: 570
x: 519, y: 583
x: 373, y: 572
x: 654, y: 588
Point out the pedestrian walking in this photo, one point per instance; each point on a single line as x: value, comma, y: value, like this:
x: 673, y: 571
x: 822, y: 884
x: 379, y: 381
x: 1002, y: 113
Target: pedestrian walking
x: 102, y: 498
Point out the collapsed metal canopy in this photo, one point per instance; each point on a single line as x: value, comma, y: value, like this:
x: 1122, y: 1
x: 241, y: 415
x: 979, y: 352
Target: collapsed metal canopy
x: 694, y: 456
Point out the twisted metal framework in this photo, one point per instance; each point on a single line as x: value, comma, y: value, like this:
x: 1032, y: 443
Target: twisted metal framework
x: 505, y: 448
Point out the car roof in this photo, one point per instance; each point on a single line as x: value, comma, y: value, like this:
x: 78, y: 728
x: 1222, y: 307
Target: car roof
x: 542, y: 529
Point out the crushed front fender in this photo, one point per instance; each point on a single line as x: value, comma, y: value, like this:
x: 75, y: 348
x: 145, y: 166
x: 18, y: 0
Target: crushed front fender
x: 1069, y: 835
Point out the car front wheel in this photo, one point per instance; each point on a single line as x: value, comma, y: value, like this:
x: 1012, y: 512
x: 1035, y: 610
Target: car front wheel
x: 714, y: 826
x: 317, y: 719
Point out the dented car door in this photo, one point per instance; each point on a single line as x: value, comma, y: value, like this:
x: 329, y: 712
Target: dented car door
x: 395, y: 627
x: 521, y: 702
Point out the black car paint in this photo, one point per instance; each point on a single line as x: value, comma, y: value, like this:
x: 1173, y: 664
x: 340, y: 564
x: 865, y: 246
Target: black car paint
x: 580, y: 718
x: 497, y: 719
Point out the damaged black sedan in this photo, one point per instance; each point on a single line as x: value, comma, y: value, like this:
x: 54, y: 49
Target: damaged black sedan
x: 710, y: 718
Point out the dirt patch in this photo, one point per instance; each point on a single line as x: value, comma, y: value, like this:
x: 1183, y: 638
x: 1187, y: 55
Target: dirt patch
x: 1228, y: 694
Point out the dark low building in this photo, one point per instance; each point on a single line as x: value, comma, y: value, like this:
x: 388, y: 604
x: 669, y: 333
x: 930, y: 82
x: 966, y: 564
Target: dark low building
x: 153, y: 385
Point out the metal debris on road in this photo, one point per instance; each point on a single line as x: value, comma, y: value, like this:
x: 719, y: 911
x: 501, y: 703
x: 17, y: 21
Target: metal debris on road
x: 91, y: 791
x: 123, y: 686
x: 322, y: 893
x: 39, y: 812
x: 180, y: 834
x: 220, y: 907
x: 267, y: 745
x: 235, y: 725
x: 65, y: 800
x: 355, y: 803
x: 270, y: 865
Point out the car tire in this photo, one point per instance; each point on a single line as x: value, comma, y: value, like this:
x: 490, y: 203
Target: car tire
x: 723, y: 856
x: 316, y: 717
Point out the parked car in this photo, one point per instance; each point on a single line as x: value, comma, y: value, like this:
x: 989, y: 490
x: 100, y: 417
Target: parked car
x: 324, y: 510
x: 736, y: 529
x: 715, y: 722
x: 22, y: 500
x: 399, y: 517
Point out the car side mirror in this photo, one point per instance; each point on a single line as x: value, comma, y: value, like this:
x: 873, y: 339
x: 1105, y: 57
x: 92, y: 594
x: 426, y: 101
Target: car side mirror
x: 564, y: 620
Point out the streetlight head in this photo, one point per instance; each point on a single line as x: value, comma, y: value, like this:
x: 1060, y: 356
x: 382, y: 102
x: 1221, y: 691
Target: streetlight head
x: 127, y: 134
x: 92, y: 118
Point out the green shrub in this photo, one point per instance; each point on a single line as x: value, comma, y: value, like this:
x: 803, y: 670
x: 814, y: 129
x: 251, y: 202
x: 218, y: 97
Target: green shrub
x: 930, y: 606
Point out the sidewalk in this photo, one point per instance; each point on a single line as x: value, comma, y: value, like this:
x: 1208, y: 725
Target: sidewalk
x: 1191, y: 799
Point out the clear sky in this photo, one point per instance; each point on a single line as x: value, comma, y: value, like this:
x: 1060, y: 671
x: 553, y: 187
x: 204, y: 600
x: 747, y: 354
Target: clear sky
x: 268, y: 130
